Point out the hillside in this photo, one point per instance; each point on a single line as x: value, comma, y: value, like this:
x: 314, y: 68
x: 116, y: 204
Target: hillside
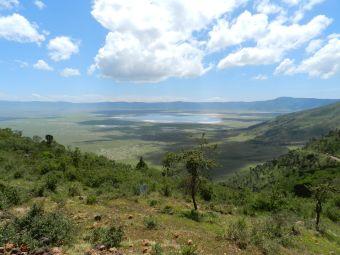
x: 298, y: 127
x: 52, y: 196
x: 281, y: 105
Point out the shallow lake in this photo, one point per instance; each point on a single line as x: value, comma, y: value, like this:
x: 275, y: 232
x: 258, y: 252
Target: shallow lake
x: 172, y: 118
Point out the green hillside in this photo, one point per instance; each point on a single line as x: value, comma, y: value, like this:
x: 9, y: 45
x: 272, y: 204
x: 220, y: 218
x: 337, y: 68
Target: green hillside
x: 298, y: 127
x: 69, y: 202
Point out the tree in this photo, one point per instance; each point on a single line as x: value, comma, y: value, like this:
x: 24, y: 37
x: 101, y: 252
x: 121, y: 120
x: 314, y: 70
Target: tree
x: 196, y: 162
x: 141, y: 164
x: 49, y: 139
x: 320, y: 194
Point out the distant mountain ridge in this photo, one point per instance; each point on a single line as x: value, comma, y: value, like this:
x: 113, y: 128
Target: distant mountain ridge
x: 280, y: 105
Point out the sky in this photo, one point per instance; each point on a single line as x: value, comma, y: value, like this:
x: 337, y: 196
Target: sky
x: 168, y: 50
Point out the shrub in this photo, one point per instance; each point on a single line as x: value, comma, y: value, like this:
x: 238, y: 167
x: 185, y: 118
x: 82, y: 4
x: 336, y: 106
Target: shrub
x: 157, y: 249
x: 168, y: 210
x: 166, y: 190
x: 150, y: 223
x: 238, y: 232
x: 51, y: 182
x: 9, y: 196
x: 110, y: 236
x: 91, y: 199
x: 333, y: 213
x: 74, y: 190
x: 193, y: 215
x: 153, y: 203
x: 189, y: 250
x: 38, y: 229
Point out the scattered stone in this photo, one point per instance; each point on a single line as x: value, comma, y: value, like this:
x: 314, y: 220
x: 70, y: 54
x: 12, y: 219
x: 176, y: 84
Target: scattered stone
x: 176, y: 236
x: 9, y: 246
x: 145, y: 250
x: 24, y: 248
x: 146, y: 242
x: 130, y: 217
x: 190, y: 242
x: 56, y: 251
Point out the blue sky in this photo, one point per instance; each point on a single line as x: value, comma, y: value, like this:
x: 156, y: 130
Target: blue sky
x: 167, y: 50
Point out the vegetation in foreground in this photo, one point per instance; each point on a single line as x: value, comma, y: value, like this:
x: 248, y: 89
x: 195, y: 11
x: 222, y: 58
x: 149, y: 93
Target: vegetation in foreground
x: 52, y: 196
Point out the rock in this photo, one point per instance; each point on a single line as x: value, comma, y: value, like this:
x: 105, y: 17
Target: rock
x: 145, y: 250
x: 113, y: 250
x: 98, y: 217
x: 146, y: 242
x: 130, y: 217
x: 100, y: 247
x: 24, y: 248
x: 9, y: 246
x: 56, y: 251
x: 2, y: 250
x: 190, y: 242
x: 176, y: 235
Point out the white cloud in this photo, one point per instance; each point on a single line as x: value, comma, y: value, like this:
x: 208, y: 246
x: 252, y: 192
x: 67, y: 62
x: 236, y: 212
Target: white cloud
x: 286, y: 67
x: 150, y: 41
x: 69, y: 72
x: 267, y: 7
x: 304, y: 6
x: 17, y: 28
x: 314, y: 45
x: 62, y: 48
x: 291, y: 2
x: 42, y: 65
x: 250, y: 56
x: 40, y: 4
x: 245, y: 27
x: 260, y: 77
x: 9, y: 4
x: 280, y: 39
x: 325, y: 63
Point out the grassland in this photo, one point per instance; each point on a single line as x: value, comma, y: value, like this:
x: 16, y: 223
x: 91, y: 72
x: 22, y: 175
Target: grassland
x: 126, y: 140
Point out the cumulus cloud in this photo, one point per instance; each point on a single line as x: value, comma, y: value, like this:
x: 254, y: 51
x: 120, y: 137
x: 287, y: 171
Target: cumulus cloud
x: 314, y: 45
x: 158, y: 42
x: 286, y: 67
x: 9, y: 4
x: 279, y: 39
x: 42, y: 65
x: 245, y: 27
x: 17, y: 28
x: 69, y: 72
x: 324, y: 63
x: 40, y: 4
x: 267, y: 7
x: 62, y: 48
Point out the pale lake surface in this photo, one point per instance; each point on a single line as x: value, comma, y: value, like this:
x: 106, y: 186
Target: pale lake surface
x: 172, y: 118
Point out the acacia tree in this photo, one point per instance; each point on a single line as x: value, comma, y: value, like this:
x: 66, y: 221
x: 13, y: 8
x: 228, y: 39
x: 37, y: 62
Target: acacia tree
x: 49, y: 139
x: 320, y: 194
x: 196, y: 162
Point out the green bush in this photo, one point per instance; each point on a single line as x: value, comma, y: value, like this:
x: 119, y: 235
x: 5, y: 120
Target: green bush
x: 189, y: 250
x: 9, y: 196
x: 91, y: 199
x: 110, y: 236
x: 74, y: 190
x: 157, y: 249
x: 38, y: 229
x: 150, y: 223
x: 168, y: 210
x: 193, y: 215
x: 238, y: 232
x: 51, y: 182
